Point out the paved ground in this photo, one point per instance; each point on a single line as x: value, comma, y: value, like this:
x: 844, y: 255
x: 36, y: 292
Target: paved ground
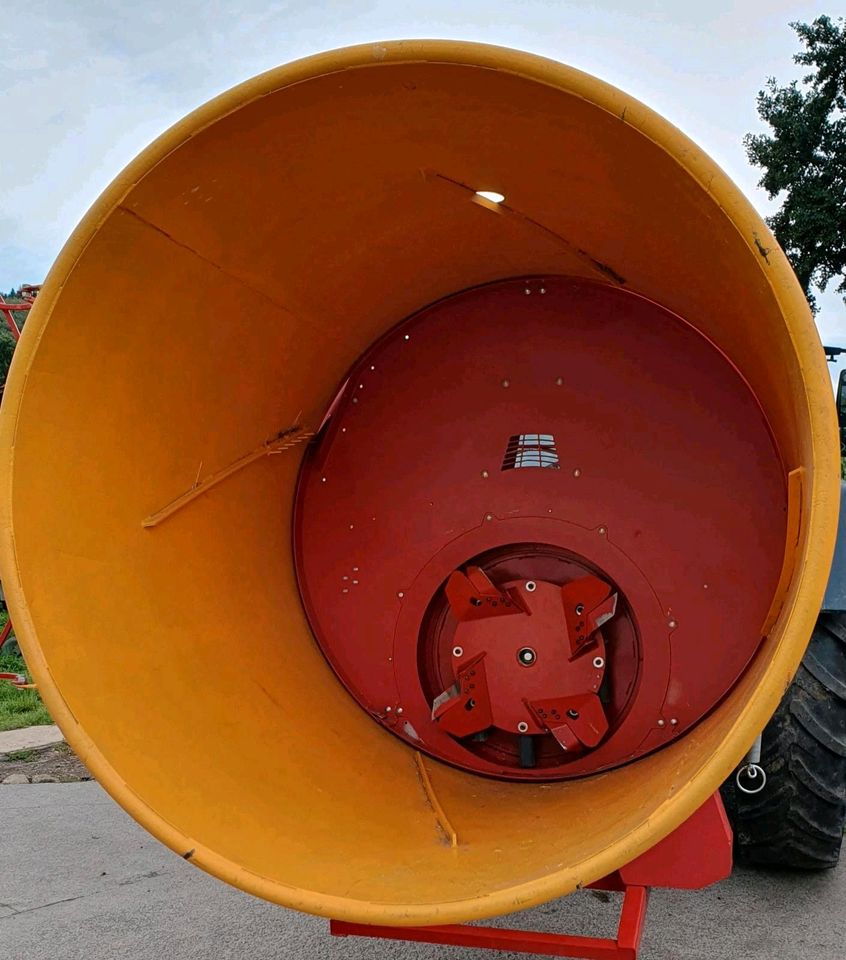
x: 29, y: 737
x: 80, y: 881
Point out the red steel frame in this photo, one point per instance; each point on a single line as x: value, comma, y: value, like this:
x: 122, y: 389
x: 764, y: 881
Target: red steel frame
x: 695, y: 855
x: 7, y: 309
x: 623, y: 947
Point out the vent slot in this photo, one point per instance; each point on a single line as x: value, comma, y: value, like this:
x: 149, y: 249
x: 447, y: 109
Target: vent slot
x: 530, y: 450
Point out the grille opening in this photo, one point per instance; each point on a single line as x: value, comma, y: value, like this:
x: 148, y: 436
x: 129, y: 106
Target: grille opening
x: 530, y: 450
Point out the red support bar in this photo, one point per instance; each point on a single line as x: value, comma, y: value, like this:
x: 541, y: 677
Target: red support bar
x: 4, y: 636
x: 7, y: 309
x: 625, y: 947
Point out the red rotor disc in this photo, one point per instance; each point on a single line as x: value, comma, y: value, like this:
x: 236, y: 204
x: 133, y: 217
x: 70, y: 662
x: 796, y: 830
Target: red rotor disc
x: 560, y: 433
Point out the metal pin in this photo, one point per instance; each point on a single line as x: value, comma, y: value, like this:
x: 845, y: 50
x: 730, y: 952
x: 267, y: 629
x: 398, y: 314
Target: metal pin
x: 577, y: 472
x: 485, y: 474
x: 506, y: 383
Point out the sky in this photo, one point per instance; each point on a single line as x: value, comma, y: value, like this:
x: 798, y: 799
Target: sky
x: 86, y: 84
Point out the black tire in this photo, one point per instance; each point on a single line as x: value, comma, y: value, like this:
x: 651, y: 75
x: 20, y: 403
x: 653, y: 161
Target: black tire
x: 797, y: 820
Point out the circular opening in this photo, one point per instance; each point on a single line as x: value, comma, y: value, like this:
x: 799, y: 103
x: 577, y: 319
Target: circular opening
x: 526, y: 656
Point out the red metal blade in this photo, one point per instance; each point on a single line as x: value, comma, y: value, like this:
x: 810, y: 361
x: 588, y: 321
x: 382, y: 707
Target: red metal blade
x: 588, y: 603
x: 466, y: 709
x: 472, y: 596
x: 576, y: 722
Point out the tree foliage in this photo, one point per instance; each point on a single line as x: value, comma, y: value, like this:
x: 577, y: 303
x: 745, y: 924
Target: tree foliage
x: 804, y: 158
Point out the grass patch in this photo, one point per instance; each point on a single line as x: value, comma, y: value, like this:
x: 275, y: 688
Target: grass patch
x: 22, y: 756
x: 19, y: 708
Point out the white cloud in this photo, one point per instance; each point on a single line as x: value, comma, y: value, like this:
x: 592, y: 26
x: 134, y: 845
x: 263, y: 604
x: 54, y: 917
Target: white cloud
x: 88, y: 83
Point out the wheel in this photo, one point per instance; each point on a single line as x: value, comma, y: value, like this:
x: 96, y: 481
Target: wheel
x: 797, y: 819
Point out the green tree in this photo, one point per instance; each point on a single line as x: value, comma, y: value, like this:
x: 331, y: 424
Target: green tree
x: 804, y: 158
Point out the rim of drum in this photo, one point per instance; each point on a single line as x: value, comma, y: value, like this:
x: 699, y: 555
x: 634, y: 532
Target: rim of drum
x: 813, y: 557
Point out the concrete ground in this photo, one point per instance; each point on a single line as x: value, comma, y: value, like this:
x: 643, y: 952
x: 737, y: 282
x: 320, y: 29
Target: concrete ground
x: 79, y: 879
x: 29, y: 737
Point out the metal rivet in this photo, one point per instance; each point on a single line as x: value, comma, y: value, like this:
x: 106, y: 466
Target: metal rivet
x: 531, y: 586
x: 458, y: 651
x: 323, y: 479
x: 598, y: 662
x: 672, y: 624
x: 399, y: 709
x: 522, y: 726
x: 673, y: 721
x: 400, y: 594
x: 406, y: 337
x: 527, y: 291
x: 387, y: 709
x: 485, y: 474
x: 580, y: 609
x: 372, y: 367
x: 602, y: 531
x: 355, y: 399
x: 704, y: 586
x: 543, y: 289
x: 345, y: 578
x: 559, y: 381
x: 662, y: 723
x: 355, y: 569
x: 577, y: 472
x: 352, y: 526
x: 488, y: 516
x: 361, y: 386
x: 345, y: 590
x: 355, y: 582
x: 506, y: 383
x: 343, y: 429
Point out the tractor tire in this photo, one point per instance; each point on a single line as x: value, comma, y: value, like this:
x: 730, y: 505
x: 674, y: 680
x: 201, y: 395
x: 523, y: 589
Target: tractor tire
x: 797, y: 820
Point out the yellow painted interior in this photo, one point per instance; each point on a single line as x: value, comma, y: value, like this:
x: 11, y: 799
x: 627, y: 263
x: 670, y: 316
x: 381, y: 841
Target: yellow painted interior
x: 218, y: 291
